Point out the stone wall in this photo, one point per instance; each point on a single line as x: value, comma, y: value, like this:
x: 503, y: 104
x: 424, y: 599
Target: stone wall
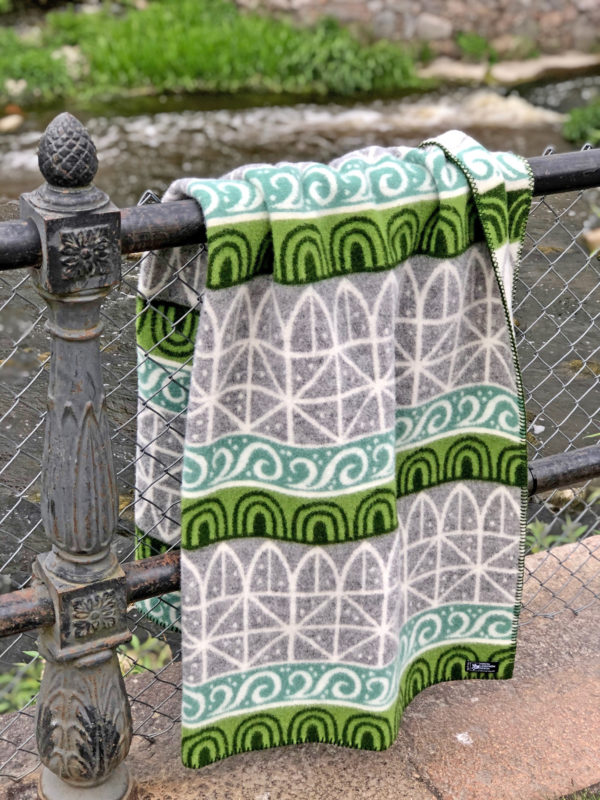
x: 512, y: 26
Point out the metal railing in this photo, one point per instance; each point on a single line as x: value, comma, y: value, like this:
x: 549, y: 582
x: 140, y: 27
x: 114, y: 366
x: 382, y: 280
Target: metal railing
x: 78, y: 247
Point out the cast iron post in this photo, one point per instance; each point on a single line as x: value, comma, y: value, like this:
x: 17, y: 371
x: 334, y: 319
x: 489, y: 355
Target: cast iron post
x: 83, y: 718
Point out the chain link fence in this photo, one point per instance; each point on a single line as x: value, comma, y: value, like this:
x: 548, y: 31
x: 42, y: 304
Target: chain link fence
x: 557, y: 319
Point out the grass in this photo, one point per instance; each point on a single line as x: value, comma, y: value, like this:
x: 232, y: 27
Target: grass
x: 583, y: 124
x: 474, y: 47
x: 19, y: 685
x: 540, y: 536
x: 191, y: 46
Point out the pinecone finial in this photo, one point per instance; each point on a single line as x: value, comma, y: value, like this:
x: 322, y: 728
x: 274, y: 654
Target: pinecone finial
x: 66, y: 154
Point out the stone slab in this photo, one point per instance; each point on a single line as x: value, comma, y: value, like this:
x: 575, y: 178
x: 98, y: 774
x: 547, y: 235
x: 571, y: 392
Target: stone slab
x: 510, y: 73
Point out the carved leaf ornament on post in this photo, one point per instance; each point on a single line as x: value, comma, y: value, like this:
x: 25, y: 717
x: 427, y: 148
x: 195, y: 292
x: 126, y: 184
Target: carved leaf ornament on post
x: 85, y: 728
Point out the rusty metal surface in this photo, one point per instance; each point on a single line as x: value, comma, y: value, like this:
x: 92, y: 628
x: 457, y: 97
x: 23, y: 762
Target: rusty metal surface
x: 25, y: 610
x: 565, y: 172
x: 565, y: 469
x: 153, y: 576
x: 158, y: 225
x: 20, y: 244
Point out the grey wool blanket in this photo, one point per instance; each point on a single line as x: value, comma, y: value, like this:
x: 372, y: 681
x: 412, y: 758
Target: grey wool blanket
x: 332, y: 427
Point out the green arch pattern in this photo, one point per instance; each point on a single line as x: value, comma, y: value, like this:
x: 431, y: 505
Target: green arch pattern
x: 301, y: 256
x: 402, y: 232
x: 204, y: 748
x: 347, y: 727
x: 257, y: 733
x: 166, y: 329
x: 231, y: 258
x: 494, y: 212
x: 147, y: 545
x: 446, y: 232
x: 518, y: 214
x: 464, y: 457
x: 359, y: 243
x: 376, y: 513
x: 313, y: 725
x: 259, y: 514
x: 236, y: 513
x: 203, y: 523
x: 320, y: 522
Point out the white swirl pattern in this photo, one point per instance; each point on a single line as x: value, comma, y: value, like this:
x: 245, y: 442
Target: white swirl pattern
x: 370, y: 689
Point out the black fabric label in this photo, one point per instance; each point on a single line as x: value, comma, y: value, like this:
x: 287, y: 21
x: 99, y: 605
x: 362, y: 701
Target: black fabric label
x: 482, y: 666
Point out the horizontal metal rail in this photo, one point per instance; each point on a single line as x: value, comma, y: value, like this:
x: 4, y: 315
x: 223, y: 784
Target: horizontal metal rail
x: 159, y: 225
x: 32, y: 607
x: 564, y: 469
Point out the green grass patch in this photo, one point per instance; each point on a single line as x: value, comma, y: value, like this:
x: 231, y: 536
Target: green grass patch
x: 583, y: 124
x: 196, y: 45
x: 20, y: 684
x: 474, y: 47
x: 542, y: 536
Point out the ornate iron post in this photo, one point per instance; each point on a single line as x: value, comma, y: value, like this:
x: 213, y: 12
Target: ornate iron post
x: 84, y: 720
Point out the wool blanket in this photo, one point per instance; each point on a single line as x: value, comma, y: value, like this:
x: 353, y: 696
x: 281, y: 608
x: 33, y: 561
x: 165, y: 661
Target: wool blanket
x: 332, y: 424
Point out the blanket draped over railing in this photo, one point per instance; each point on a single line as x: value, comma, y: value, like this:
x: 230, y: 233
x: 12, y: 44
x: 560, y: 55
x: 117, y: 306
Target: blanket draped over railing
x: 332, y: 425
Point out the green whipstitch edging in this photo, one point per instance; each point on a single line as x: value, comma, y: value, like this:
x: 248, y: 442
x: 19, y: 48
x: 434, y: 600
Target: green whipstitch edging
x: 517, y: 228
x: 335, y: 724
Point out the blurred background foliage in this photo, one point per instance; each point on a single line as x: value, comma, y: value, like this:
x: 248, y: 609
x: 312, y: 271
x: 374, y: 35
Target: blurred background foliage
x: 190, y: 46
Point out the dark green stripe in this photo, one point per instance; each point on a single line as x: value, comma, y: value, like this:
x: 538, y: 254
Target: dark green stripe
x: 166, y: 329
x: 482, y: 457
x: 235, y: 513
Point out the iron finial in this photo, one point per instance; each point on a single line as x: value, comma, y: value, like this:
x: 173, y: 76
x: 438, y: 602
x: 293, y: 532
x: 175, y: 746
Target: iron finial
x: 66, y: 154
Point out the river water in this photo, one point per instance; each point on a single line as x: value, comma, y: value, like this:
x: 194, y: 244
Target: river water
x: 145, y: 142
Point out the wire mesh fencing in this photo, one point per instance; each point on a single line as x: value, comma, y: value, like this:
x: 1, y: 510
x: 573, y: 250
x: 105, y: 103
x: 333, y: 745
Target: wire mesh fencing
x: 557, y: 322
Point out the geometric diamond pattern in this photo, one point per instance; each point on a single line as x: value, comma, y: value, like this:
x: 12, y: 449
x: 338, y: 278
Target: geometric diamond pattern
x: 250, y: 602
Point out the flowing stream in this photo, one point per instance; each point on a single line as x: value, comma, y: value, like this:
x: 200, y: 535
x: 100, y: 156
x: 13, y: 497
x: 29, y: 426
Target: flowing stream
x: 145, y: 142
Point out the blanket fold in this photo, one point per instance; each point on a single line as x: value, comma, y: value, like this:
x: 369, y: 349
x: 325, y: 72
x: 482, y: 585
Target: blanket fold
x: 331, y: 423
